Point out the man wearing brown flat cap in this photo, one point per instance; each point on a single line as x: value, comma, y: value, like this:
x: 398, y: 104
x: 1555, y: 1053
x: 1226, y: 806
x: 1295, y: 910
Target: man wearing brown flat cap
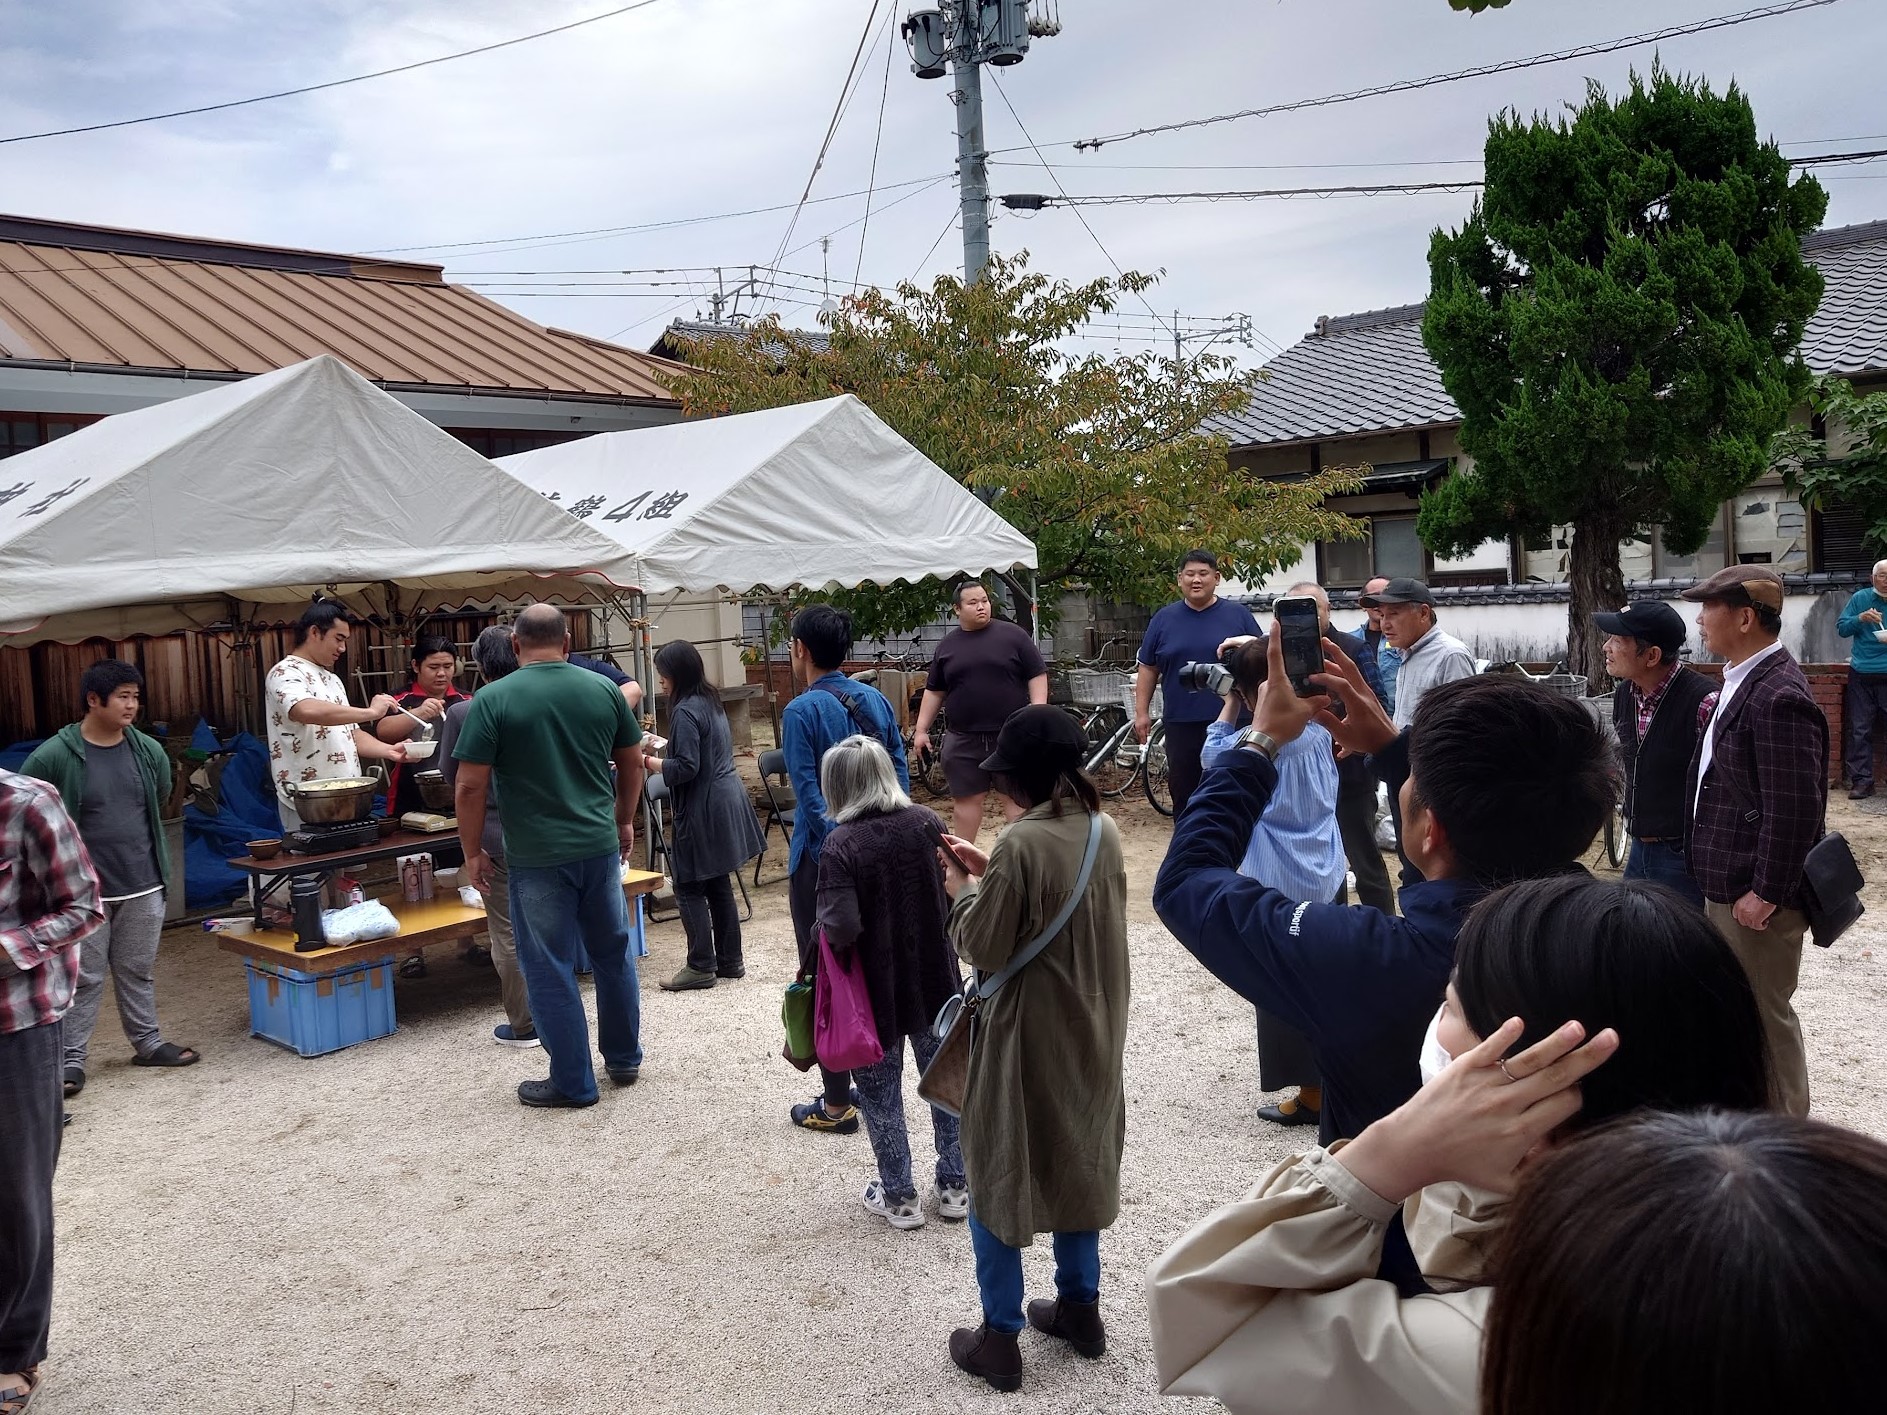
x: 1759, y: 792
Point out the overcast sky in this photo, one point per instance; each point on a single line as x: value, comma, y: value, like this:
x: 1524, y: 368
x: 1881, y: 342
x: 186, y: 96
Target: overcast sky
x: 690, y: 108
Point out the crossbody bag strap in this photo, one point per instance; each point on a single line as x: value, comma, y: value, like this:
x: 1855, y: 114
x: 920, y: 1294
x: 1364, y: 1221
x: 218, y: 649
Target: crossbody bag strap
x: 864, y: 724
x: 991, y: 985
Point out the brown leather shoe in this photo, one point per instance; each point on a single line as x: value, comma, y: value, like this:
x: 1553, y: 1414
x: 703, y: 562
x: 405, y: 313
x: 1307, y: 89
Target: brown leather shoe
x: 1077, y: 1323
x: 993, y: 1355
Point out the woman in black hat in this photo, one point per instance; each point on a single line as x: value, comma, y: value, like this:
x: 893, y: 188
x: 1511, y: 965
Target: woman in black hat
x: 1044, y: 1112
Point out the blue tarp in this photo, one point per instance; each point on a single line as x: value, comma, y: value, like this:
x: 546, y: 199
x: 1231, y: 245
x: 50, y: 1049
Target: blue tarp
x: 14, y: 757
x: 249, y: 812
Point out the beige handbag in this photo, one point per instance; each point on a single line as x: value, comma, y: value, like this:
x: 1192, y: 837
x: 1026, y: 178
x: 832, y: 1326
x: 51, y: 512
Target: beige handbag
x: 946, y: 1080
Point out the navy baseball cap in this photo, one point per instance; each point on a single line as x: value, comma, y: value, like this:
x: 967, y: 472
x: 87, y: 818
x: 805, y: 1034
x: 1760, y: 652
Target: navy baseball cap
x: 1651, y: 620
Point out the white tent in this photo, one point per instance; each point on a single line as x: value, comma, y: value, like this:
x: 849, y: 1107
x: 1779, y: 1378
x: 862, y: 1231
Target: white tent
x: 263, y: 492
x: 812, y: 495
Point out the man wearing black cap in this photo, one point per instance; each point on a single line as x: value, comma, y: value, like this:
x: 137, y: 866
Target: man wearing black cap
x: 1429, y: 657
x: 1759, y: 790
x: 1658, y: 711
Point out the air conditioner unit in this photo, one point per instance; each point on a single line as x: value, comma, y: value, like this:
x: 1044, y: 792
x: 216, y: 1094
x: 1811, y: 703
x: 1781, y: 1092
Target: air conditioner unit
x: 930, y: 49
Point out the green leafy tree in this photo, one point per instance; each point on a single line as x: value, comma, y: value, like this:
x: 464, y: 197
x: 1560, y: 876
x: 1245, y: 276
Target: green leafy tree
x: 1098, y: 460
x: 1618, y: 322
x: 1855, y: 477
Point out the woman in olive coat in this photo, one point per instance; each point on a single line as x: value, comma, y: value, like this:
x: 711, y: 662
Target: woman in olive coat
x: 1044, y: 1112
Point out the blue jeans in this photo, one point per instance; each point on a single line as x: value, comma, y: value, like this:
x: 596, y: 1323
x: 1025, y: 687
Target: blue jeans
x: 999, y: 1272
x: 881, y: 1093
x: 1663, y: 864
x: 560, y: 912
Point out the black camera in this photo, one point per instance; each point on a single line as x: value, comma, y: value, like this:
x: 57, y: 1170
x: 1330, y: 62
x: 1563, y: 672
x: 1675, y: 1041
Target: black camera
x: 1206, y: 678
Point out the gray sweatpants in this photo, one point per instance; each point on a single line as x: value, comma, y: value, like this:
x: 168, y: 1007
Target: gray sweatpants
x: 125, y: 946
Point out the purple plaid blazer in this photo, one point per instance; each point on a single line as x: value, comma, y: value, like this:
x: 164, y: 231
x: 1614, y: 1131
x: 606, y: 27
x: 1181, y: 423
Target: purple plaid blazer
x: 1766, y: 795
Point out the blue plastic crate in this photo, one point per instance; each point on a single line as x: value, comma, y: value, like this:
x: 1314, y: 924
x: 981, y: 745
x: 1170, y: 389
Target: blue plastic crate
x: 314, y: 1015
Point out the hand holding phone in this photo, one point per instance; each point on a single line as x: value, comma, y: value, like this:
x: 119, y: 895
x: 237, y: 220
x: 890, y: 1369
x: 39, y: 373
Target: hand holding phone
x: 1300, y: 626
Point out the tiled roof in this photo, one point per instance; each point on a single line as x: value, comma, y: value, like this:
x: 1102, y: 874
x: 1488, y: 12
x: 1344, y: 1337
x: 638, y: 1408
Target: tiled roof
x: 1848, y: 334
x: 1365, y: 373
x: 102, y: 298
x: 708, y: 332
x: 1357, y: 373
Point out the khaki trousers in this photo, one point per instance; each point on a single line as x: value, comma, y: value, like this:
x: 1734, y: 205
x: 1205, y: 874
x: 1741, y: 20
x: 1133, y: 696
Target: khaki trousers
x: 504, y: 948
x: 1772, y: 958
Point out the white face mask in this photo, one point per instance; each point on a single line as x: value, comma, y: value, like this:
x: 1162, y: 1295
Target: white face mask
x: 1435, y: 1058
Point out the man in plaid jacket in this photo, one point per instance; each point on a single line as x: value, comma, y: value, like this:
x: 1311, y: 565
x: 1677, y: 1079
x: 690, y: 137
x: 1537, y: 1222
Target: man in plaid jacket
x: 1759, y: 792
x: 48, y: 904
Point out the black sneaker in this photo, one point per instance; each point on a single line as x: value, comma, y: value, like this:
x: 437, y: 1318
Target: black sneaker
x: 814, y: 1116
x: 624, y: 1075
x: 739, y: 970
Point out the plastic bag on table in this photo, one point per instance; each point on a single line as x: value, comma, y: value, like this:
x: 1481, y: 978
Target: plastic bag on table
x: 358, y: 923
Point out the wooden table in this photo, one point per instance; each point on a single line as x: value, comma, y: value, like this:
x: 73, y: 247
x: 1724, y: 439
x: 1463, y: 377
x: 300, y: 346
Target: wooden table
x: 429, y: 921
x: 265, y: 876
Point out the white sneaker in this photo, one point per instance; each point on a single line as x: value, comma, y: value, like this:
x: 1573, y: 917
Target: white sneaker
x: 899, y: 1213
x: 953, y: 1204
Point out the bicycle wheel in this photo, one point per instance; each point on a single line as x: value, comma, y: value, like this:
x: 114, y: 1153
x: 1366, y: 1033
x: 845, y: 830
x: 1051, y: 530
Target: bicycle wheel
x: 1159, y: 787
x: 1110, y: 735
x: 1617, y: 840
x: 929, y: 772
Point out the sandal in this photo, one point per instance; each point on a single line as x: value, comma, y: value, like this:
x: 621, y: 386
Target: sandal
x: 414, y: 967
x: 14, y: 1399
x: 74, y: 1081
x: 169, y: 1054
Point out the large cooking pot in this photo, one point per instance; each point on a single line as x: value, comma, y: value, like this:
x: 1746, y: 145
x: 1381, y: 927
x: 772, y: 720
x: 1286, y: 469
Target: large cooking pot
x: 343, y: 799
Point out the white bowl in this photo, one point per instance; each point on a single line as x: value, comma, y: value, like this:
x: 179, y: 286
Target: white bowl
x: 1881, y: 635
x: 419, y: 751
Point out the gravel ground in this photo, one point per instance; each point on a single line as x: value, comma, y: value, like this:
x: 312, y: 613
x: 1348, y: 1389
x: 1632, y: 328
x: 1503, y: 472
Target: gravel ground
x: 387, y: 1229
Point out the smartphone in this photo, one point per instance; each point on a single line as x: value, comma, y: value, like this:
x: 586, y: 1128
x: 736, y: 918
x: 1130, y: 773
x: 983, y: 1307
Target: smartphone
x: 944, y: 845
x: 1301, y: 626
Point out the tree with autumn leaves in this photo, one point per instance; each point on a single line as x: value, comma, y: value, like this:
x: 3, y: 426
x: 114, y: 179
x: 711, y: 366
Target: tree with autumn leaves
x: 1099, y: 460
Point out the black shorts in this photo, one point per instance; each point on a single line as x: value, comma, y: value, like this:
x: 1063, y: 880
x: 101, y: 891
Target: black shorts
x: 962, y: 756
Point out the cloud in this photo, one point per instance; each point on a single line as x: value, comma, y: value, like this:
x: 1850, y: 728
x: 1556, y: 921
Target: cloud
x: 692, y: 107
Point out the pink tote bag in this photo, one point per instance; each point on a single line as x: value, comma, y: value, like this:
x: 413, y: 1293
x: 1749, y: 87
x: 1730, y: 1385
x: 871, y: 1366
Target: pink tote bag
x: 844, y: 1033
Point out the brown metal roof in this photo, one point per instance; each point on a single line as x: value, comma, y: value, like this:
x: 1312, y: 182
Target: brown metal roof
x: 99, y: 297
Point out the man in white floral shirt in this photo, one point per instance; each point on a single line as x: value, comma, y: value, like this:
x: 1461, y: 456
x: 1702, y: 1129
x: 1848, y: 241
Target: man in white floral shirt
x: 314, y: 733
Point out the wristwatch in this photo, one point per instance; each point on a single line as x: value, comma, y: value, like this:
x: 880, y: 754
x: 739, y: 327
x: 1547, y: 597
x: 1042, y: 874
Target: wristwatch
x: 1262, y: 743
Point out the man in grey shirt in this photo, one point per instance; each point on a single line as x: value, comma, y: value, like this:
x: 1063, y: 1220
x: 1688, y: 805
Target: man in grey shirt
x: 1429, y: 659
x: 1429, y: 656
x: 114, y: 780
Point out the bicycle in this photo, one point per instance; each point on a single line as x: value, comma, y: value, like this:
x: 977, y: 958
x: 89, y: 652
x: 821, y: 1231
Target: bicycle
x: 925, y: 768
x: 1100, y: 699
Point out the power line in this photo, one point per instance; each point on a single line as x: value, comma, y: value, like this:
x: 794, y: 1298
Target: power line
x: 884, y: 95
x: 949, y: 226
x: 1003, y: 94
x: 331, y: 83
x: 523, y: 242
x: 832, y: 127
x: 1031, y: 202
x: 1582, y: 51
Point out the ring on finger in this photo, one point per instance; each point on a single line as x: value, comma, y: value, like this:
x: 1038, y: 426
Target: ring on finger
x: 1502, y: 1064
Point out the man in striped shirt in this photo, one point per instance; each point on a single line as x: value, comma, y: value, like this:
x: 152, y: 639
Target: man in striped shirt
x: 48, y: 904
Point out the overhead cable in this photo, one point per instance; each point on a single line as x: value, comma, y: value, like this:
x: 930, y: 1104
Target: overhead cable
x: 832, y: 127
x: 1032, y: 202
x: 331, y: 83
x: 1583, y: 51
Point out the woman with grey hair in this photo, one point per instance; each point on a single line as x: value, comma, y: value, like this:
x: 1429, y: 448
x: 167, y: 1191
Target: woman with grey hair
x: 881, y: 897
x: 496, y: 658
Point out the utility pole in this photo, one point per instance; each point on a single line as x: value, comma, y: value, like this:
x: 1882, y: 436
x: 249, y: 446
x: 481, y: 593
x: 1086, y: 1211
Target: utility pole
x: 972, y: 157
x: 959, y: 38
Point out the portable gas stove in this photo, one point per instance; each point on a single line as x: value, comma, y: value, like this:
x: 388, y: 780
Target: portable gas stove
x: 342, y: 835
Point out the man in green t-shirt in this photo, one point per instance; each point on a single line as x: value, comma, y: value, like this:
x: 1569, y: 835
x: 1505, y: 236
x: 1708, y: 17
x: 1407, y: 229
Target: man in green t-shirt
x: 547, y: 735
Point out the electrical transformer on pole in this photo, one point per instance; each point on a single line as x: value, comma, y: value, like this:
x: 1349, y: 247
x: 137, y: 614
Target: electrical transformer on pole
x: 959, y: 38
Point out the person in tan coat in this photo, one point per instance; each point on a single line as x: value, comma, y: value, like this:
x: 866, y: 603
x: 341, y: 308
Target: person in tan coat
x: 1274, y: 1303
x: 1044, y: 1111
